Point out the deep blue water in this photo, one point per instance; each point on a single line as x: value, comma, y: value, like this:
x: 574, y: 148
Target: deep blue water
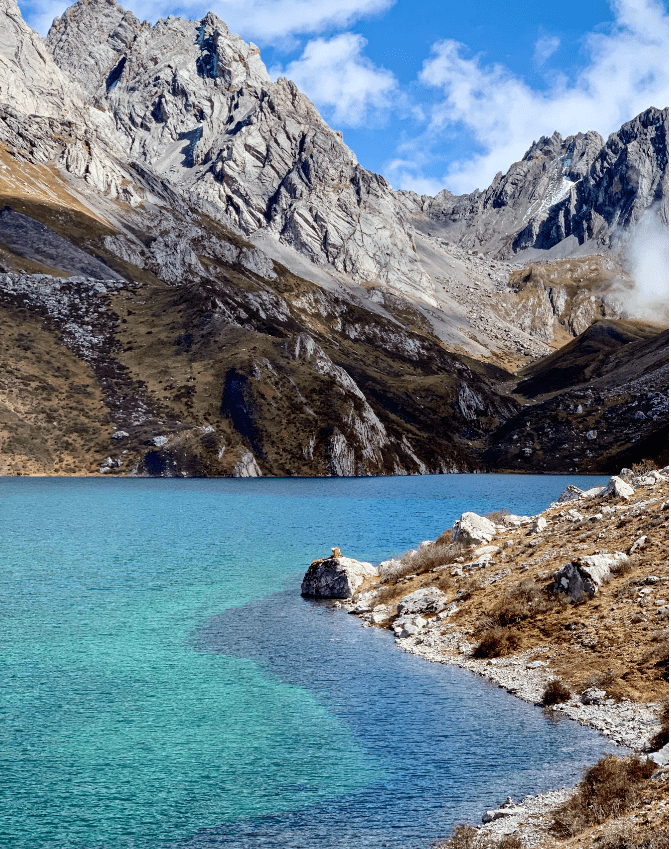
x: 164, y: 684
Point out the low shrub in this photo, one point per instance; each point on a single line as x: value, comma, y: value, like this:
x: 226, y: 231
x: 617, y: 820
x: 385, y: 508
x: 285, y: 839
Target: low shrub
x: 609, y: 789
x: 423, y: 560
x: 463, y: 837
x: 495, y: 642
x: 510, y: 842
x: 497, y: 516
x: 643, y: 467
x: 634, y: 836
x: 429, y: 556
x: 524, y: 601
x: 662, y: 737
x: 468, y: 837
x: 555, y: 693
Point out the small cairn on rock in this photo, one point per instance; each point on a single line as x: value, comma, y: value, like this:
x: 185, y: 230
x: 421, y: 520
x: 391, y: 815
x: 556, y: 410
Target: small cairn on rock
x: 336, y: 576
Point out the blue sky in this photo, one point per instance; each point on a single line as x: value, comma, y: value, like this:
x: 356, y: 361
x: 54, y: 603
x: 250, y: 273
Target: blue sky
x: 442, y: 94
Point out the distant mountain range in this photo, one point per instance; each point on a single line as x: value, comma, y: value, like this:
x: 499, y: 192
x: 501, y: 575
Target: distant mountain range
x: 198, y: 278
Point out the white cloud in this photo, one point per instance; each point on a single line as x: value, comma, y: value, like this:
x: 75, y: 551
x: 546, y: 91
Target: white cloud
x: 648, y: 257
x: 337, y: 76
x: 263, y: 21
x: 627, y: 72
x: 545, y: 47
x: 403, y: 174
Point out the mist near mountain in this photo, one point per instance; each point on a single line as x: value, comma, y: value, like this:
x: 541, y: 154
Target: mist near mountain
x: 647, y: 255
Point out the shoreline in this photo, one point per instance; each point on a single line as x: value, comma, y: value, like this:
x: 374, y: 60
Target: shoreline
x: 447, y: 633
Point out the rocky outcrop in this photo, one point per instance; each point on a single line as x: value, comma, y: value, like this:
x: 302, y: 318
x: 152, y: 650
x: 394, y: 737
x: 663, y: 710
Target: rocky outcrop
x: 472, y: 529
x: 426, y: 600
x: 336, y: 577
x: 627, y: 176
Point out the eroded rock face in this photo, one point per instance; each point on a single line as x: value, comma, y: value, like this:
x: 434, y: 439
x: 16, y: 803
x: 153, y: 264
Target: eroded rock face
x: 577, y: 187
x: 195, y: 102
x: 336, y: 577
x: 472, y: 529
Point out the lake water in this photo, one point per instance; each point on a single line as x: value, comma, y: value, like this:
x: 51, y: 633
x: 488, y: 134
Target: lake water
x: 164, y: 684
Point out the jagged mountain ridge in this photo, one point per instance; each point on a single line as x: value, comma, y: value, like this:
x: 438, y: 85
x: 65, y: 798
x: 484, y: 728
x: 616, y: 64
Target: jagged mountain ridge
x: 195, y: 103
x: 214, y: 93
x: 578, y: 189
x: 167, y: 189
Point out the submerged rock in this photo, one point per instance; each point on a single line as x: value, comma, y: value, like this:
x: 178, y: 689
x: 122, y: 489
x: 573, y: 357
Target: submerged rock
x: 336, y: 577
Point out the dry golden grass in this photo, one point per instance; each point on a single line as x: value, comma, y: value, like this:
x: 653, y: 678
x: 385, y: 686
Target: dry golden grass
x: 52, y: 416
x: 609, y: 789
x: 615, y: 640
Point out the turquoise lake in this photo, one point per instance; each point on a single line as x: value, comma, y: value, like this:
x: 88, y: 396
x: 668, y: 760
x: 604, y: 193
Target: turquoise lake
x: 165, y: 685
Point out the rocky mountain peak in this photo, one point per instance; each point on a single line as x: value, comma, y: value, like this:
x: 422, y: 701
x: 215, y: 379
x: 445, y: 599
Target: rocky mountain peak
x: 196, y: 104
x: 88, y: 39
x: 29, y: 79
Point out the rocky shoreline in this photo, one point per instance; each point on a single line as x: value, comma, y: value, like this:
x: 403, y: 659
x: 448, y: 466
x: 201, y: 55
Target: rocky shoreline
x: 446, y: 612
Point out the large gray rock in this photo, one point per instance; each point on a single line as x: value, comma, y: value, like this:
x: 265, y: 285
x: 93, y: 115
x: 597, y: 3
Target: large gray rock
x: 472, y: 529
x: 586, y: 575
x: 336, y: 577
x: 617, y: 488
x: 425, y: 600
x: 570, y: 579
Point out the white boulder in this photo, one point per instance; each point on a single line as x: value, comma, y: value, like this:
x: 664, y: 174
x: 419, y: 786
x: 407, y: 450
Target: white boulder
x: 472, y: 529
x: 336, y: 577
x: 540, y: 523
x: 617, y: 488
x: 661, y: 758
x: 600, y: 566
x: 408, y: 626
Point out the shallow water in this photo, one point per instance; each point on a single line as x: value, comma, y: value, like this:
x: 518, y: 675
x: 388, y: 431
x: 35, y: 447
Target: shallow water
x: 165, y: 684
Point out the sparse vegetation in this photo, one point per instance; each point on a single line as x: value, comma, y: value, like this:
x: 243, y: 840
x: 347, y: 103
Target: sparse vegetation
x: 496, y: 642
x: 467, y: 837
x: 611, y: 788
x: 555, y: 693
x: 525, y: 600
x: 428, y: 557
x: 633, y: 836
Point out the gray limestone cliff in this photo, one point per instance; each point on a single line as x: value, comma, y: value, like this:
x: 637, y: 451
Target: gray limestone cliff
x: 195, y: 103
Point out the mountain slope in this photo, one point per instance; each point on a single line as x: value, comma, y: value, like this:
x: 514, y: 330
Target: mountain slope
x: 230, y: 293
